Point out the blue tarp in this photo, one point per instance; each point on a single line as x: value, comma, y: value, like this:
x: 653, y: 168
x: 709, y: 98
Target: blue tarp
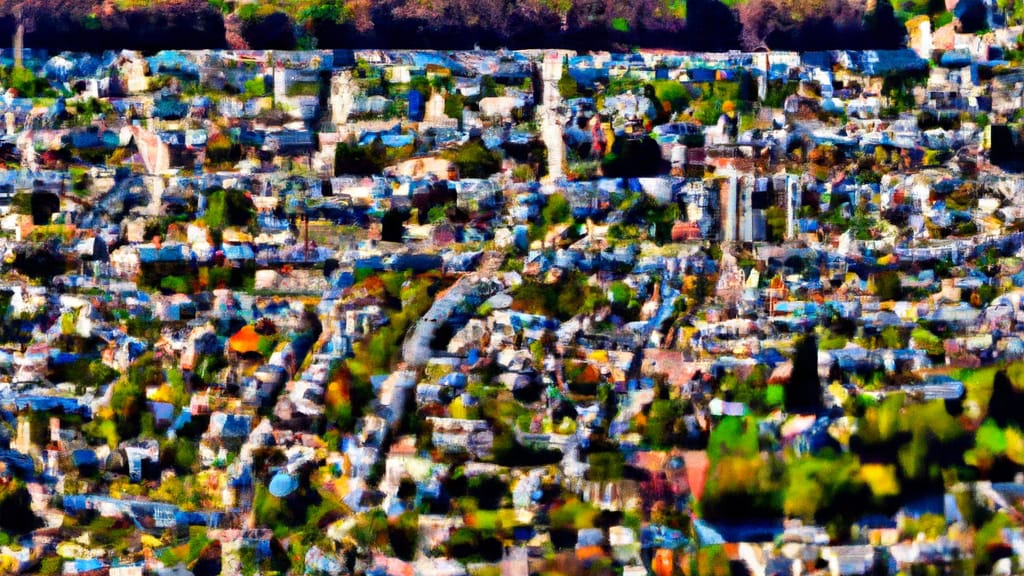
x: 87, y: 565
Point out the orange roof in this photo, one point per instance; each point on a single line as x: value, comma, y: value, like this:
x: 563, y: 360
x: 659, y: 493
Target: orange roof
x: 589, y: 552
x: 245, y: 340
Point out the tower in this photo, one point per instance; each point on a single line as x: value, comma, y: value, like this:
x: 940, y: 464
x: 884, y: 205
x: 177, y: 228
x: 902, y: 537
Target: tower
x: 23, y: 441
x: 280, y: 83
x: 792, y: 204
x: 551, y: 131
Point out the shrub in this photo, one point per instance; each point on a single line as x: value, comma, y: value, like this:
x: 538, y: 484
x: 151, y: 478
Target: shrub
x: 474, y: 160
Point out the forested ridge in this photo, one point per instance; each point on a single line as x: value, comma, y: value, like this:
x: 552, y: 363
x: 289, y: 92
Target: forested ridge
x: 707, y: 25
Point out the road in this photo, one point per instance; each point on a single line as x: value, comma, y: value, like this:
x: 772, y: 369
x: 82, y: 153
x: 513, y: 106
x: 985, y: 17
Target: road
x: 416, y: 351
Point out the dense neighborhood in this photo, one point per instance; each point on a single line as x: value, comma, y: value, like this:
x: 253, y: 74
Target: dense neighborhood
x: 514, y: 311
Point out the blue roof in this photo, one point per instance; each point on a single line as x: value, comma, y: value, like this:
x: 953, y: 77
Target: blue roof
x: 172, y: 253
x: 283, y: 484
x: 238, y: 252
x: 84, y: 458
x: 168, y: 60
x: 236, y: 426
x: 657, y: 536
x: 46, y: 403
x: 454, y: 379
x: 162, y: 410
x: 20, y: 463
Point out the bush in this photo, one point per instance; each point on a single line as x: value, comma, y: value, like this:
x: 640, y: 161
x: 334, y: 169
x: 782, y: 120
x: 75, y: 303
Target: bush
x: 175, y: 284
x: 672, y: 93
x: 474, y: 160
x: 352, y: 159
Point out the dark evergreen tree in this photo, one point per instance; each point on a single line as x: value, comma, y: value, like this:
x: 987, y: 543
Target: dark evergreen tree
x: 1006, y: 405
x: 16, y: 516
x: 392, y: 225
x: 803, y: 395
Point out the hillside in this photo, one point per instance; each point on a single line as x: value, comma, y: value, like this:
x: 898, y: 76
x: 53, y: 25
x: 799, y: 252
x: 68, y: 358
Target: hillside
x: 463, y: 24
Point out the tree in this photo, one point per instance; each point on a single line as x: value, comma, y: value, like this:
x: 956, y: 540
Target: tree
x: 775, y: 218
x: 392, y: 225
x: 16, y: 515
x: 1006, y: 405
x: 664, y: 428
x: 759, y: 20
x: 255, y: 87
x: 567, y: 85
x: 231, y: 207
x: 360, y: 160
x: 633, y: 157
x: 128, y: 398
x: 803, y: 395
x: 267, y: 29
x: 474, y: 160
x: 882, y: 26
x: 488, y: 86
x: 557, y: 210
x: 403, y: 534
x: 888, y: 285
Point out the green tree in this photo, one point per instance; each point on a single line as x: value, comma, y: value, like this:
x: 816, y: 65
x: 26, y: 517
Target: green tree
x: 1006, y: 405
x: 255, y: 87
x: 474, y: 160
x: 672, y: 93
x: 453, y: 105
x: 663, y: 429
x: 606, y: 466
x: 228, y: 207
x: 888, y: 285
x: 352, y: 159
x: 16, y: 515
x: 775, y: 218
x: 567, y: 85
x: 557, y: 210
x: 489, y: 86
x: 817, y: 486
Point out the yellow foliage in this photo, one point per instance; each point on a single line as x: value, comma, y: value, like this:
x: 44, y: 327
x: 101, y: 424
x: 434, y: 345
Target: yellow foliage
x: 1015, y: 445
x: 457, y: 409
x: 8, y: 564
x: 881, y: 478
x: 162, y: 394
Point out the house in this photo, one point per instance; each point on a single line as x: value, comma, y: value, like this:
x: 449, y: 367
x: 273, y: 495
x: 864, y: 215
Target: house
x: 459, y: 436
x: 849, y: 560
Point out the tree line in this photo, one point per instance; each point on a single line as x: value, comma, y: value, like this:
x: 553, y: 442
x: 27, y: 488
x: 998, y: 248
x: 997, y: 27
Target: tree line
x: 709, y: 25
